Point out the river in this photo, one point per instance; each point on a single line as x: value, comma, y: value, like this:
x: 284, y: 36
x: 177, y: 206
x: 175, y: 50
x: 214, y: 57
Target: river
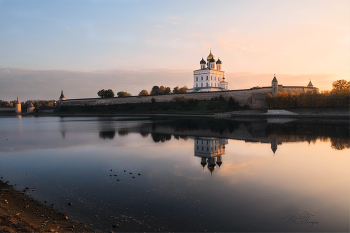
x: 184, y: 174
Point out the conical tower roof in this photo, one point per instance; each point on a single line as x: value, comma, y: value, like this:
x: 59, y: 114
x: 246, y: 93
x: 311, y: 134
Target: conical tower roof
x: 274, y: 79
x: 310, y: 84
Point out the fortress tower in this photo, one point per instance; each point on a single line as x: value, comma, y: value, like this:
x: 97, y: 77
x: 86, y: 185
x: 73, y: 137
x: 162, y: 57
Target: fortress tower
x: 62, y: 96
x: 274, y: 85
x: 18, y: 107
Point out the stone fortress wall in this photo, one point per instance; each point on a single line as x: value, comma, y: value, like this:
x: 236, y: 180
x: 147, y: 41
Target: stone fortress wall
x: 254, y: 97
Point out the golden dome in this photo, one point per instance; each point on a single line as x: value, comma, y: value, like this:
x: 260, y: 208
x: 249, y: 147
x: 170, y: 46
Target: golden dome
x: 210, y: 56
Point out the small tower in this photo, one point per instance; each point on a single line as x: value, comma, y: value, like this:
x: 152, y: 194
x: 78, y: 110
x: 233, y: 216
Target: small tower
x: 18, y: 107
x: 218, y: 64
x: 62, y: 96
x: 274, y: 85
x: 310, y: 85
x: 203, y: 63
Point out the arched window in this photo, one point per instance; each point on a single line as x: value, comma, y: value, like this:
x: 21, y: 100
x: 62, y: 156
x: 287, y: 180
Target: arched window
x: 196, y: 78
x: 211, y: 78
x: 201, y: 84
x: 207, y: 84
x: 196, y: 84
x: 207, y: 77
x: 201, y: 78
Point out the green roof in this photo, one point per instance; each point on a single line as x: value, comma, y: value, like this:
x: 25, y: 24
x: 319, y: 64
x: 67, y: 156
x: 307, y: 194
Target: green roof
x: 274, y: 79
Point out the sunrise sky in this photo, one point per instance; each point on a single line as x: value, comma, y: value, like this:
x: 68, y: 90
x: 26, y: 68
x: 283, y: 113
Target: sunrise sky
x: 127, y: 45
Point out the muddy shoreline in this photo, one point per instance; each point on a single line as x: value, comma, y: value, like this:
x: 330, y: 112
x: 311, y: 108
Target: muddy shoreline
x: 20, y: 213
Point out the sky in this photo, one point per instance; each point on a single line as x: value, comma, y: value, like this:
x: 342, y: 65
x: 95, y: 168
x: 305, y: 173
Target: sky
x: 83, y: 46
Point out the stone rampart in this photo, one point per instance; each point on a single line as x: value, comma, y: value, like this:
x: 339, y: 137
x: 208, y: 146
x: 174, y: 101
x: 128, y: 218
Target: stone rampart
x: 254, y: 97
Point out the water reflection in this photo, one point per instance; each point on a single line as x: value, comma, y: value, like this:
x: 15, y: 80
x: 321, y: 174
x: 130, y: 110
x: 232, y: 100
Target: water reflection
x: 271, y: 131
x: 249, y: 190
x: 107, y: 134
x: 210, y: 150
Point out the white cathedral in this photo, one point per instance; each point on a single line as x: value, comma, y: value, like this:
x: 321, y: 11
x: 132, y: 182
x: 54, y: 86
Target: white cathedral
x: 209, y: 77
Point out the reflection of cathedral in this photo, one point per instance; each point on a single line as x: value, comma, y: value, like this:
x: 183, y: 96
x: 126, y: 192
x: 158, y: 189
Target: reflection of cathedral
x: 210, y: 150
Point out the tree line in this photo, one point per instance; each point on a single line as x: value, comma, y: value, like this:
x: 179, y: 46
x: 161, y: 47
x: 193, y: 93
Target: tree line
x: 37, y: 103
x: 156, y: 90
x: 338, y: 97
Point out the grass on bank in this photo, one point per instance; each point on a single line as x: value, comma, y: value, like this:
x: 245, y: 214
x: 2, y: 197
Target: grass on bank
x: 188, y: 106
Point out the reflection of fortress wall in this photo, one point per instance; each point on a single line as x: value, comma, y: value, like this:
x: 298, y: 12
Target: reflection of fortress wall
x: 208, y: 146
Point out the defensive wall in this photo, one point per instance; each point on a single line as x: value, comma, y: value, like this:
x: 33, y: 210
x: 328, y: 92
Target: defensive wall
x: 254, y: 97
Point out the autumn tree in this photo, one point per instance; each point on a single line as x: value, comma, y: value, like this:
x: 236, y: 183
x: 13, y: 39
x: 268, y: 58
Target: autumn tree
x: 341, y: 84
x: 269, y: 100
x: 181, y: 90
x: 123, y: 94
x: 143, y: 92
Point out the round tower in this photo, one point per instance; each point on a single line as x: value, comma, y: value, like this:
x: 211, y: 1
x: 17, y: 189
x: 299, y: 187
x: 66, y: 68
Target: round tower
x: 18, y: 107
x: 274, y: 85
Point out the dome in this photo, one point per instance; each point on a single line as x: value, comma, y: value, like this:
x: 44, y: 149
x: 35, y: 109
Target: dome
x: 211, y: 167
x: 31, y: 105
x: 202, y: 61
x: 212, y: 60
x: 218, y: 62
x: 210, y: 56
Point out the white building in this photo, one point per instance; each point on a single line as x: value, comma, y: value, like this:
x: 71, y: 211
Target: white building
x: 209, y: 77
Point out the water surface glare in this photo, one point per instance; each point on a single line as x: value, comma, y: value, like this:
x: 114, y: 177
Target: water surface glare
x: 184, y: 174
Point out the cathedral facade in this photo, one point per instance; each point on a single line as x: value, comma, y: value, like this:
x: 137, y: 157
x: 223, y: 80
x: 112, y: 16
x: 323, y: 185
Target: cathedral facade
x: 209, y: 77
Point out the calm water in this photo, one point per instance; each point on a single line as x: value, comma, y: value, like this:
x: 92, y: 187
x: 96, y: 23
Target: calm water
x: 196, y: 174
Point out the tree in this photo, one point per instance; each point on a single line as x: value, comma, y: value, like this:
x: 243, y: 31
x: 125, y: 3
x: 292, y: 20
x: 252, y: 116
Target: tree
x: 341, y: 84
x: 155, y: 90
x: 167, y: 91
x: 290, y: 99
x: 278, y: 99
x: 181, y: 90
x: 105, y: 93
x: 269, y: 100
x: 123, y: 94
x: 176, y: 90
x: 143, y: 92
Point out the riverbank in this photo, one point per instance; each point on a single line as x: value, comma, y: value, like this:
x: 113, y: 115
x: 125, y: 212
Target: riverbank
x: 20, y: 213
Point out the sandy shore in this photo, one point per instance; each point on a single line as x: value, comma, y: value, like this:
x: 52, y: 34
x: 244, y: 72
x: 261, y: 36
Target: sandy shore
x: 20, y: 213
